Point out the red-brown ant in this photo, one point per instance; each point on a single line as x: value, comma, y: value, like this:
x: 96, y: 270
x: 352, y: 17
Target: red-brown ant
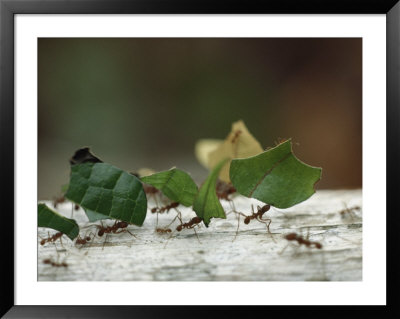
x: 236, y: 136
x: 58, y: 200
x: 118, y: 227
x: 303, y: 241
x: 150, y: 190
x: 223, y: 190
x: 190, y: 224
x: 349, y: 212
x: 165, y: 208
x: 48, y: 261
x: 51, y: 238
x: 82, y: 241
x: 260, y: 212
x: 255, y: 215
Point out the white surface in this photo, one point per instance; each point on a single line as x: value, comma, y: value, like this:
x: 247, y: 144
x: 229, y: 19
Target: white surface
x: 255, y: 255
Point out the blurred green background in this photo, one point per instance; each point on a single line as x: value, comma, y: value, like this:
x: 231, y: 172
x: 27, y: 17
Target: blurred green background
x: 144, y: 102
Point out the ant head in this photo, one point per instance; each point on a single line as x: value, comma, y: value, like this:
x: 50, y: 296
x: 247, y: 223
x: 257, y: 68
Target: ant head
x: 265, y: 208
x: 43, y: 241
x: 179, y: 228
x: 87, y: 238
x: 291, y: 236
x: 196, y: 220
x: 247, y: 220
x: 153, y: 210
x: 101, y: 232
x: 318, y: 245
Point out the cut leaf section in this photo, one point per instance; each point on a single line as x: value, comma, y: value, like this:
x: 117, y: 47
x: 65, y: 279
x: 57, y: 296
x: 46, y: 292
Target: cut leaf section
x: 51, y: 219
x: 206, y: 204
x: 238, y: 144
x: 103, y: 189
x: 275, y: 177
x: 177, y: 185
x: 204, y: 147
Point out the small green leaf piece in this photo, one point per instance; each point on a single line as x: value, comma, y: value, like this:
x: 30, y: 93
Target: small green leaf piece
x: 275, y: 177
x: 206, y: 204
x: 93, y: 216
x: 108, y: 191
x: 51, y: 219
x: 177, y: 185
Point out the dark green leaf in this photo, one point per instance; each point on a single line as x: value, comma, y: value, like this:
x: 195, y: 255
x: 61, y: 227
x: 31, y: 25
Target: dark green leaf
x: 51, y: 219
x: 83, y: 155
x: 275, y: 177
x: 206, y: 204
x: 106, y: 190
x: 177, y: 185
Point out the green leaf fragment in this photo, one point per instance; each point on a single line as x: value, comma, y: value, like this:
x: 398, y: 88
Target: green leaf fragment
x: 206, y: 204
x: 51, y: 219
x: 105, y: 191
x: 275, y: 177
x: 177, y: 185
x: 93, y: 216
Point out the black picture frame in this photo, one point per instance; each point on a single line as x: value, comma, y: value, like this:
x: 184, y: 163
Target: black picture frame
x: 8, y: 8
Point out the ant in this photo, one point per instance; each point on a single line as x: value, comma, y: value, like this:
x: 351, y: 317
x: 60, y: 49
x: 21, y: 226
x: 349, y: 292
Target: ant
x: 255, y: 215
x: 150, y: 190
x: 260, y: 212
x: 48, y: 261
x: 114, y: 228
x: 190, y: 224
x: 223, y: 190
x: 163, y: 230
x: 349, y: 212
x: 302, y: 241
x: 236, y: 136
x: 165, y: 208
x: 118, y: 227
x: 52, y: 238
x: 82, y: 241
x: 58, y: 200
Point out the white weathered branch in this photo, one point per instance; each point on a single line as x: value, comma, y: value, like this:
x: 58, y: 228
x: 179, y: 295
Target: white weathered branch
x: 216, y: 254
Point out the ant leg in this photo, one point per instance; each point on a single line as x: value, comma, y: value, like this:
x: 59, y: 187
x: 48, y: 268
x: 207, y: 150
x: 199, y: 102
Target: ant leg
x: 125, y: 230
x: 281, y: 252
x: 268, y: 222
x: 237, y: 229
x: 197, y: 235
x: 166, y: 243
x: 105, y: 242
x: 61, y: 242
x: 178, y: 215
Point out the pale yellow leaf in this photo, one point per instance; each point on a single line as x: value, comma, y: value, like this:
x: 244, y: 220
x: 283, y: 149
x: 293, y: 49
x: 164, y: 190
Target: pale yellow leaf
x: 203, y: 148
x: 145, y: 171
x: 238, y: 144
